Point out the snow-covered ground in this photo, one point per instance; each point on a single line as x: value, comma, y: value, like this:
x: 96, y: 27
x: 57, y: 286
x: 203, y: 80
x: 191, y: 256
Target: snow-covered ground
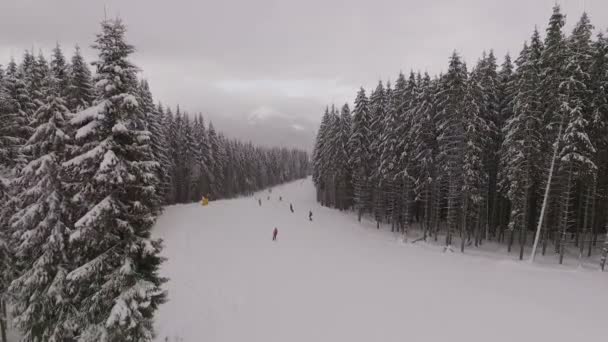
x: 335, y: 279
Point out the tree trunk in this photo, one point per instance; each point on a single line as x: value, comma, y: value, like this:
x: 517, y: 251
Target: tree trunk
x: 436, y: 209
x: 523, y: 228
x: 605, y: 249
x: 511, y: 239
x: 427, y: 211
x: 566, y: 216
x: 593, y: 229
x: 588, y: 199
x: 579, y: 214
x: 452, y: 212
x: 3, y: 323
x: 463, y: 228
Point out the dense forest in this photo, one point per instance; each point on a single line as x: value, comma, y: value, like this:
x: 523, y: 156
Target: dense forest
x: 514, y: 154
x: 87, y: 160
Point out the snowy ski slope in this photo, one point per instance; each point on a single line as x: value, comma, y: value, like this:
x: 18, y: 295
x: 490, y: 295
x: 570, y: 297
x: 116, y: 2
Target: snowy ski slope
x: 335, y: 279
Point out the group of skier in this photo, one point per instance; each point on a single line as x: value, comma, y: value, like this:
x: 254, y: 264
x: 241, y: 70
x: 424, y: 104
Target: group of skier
x: 275, y: 231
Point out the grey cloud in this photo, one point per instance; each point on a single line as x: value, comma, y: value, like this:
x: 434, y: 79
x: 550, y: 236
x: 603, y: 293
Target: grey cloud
x: 229, y: 58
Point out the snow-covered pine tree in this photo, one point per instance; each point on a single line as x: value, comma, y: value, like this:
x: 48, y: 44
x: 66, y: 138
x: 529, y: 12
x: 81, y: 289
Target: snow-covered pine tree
x: 38, y: 81
x: 329, y: 154
x: 41, y: 309
x: 158, y: 140
x: 115, y: 287
x: 407, y: 102
x: 189, y: 158
x: 477, y: 135
x: 451, y: 141
x: 219, y: 159
x: 553, y: 59
x: 27, y: 74
x: 14, y: 129
x: 506, y: 89
x: 171, y: 124
x: 179, y: 149
x: 377, y: 117
x: 486, y: 76
x: 321, y: 142
x: 341, y: 159
x: 203, y: 157
x: 521, y: 149
x: 576, y: 152
x: 80, y: 93
x: 390, y: 154
x: 359, y: 146
x: 599, y: 136
x: 59, y: 70
x: 196, y: 155
x: 220, y: 162
x: 424, y: 152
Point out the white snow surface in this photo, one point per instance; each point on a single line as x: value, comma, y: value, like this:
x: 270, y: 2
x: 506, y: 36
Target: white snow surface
x: 335, y: 279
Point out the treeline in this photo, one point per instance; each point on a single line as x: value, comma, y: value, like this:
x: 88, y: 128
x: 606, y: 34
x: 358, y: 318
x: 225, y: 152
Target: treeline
x: 86, y: 164
x: 199, y: 161
x: 486, y: 154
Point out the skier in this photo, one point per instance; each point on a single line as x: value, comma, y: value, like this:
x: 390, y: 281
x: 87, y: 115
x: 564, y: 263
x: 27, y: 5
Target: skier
x: 291, y: 207
x: 260, y: 201
x: 280, y: 198
x: 274, y: 234
x: 310, y: 215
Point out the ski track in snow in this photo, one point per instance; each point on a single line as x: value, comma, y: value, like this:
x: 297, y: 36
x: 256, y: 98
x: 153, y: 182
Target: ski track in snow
x: 335, y: 279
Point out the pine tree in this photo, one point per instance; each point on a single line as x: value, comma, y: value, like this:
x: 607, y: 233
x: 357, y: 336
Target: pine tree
x: 599, y: 134
x: 576, y: 151
x: 41, y: 309
x: 552, y: 63
x: 424, y: 153
x: 341, y: 159
x: 506, y: 89
x: 359, y: 146
x: 80, y: 93
x: 377, y: 110
x: 407, y: 96
x: 219, y: 158
x: 115, y: 288
x: 38, y: 81
x: 188, y: 160
x: 158, y: 141
x: 202, y: 157
x: 521, y: 149
x: 451, y: 140
x: 319, y: 157
x: 14, y: 120
x: 59, y: 71
x: 27, y: 73
x: 390, y: 153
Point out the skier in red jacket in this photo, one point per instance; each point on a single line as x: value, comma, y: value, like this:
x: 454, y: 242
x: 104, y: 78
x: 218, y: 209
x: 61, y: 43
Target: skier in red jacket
x: 274, y: 234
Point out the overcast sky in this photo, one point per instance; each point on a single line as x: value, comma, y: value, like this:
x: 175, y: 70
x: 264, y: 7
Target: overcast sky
x: 264, y: 70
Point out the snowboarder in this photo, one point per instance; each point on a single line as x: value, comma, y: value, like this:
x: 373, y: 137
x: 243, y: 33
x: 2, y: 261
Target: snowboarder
x: 291, y: 207
x: 274, y: 234
x: 260, y: 201
x: 310, y: 215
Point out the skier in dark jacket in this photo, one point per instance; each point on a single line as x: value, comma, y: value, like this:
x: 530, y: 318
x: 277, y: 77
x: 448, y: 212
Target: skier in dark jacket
x: 291, y: 207
x: 260, y: 201
x: 310, y: 215
x: 274, y: 234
